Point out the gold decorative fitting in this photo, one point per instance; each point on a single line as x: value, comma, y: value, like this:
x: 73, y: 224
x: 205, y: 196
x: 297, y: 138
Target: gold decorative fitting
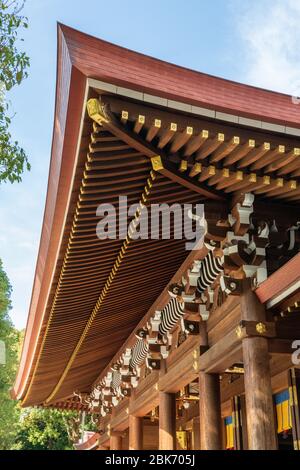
x: 225, y: 173
x: 157, y: 163
x: 279, y: 182
x: 236, y: 140
x: 173, y: 126
x: 141, y: 119
x: 252, y: 178
x: 267, y: 146
x: 157, y: 123
x: 95, y: 127
x: 281, y: 148
x: 146, y: 191
x: 153, y: 175
x: 251, y: 143
x: 125, y: 115
x: 239, y: 175
x: 91, y: 149
x: 195, y: 365
x: 293, y: 184
x: 221, y: 137
x: 96, y: 111
x: 266, y: 179
x: 144, y: 198
x: 239, y: 331
x: 183, y: 165
x: 149, y: 182
x: 261, y: 328
x: 189, y: 130
x: 212, y: 170
x: 297, y: 151
x: 205, y: 134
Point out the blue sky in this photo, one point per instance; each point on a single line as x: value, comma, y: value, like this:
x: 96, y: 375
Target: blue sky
x: 252, y: 41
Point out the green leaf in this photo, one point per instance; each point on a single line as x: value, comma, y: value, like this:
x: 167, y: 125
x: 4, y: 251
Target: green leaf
x: 13, y: 70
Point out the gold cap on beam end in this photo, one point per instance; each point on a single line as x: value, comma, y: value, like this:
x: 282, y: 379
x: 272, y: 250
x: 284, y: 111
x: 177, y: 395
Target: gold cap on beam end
x: 96, y: 111
x: 157, y: 164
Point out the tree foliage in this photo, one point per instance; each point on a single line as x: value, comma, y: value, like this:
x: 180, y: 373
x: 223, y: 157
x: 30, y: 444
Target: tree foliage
x: 30, y: 428
x: 13, y: 69
x: 9, y: 410
x: 43, y: 429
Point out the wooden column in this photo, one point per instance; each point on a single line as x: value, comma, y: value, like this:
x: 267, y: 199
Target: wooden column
x: 167, y: 421
x: 209, y: 405
x: 135, y: 433
x: 210, y: 412
x: 258, y: 389
x: 196, y: 434
x: 115, y: 441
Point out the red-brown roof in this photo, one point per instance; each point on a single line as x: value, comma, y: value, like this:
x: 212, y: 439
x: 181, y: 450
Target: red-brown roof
x: 280, y: 280
x: 102, y: 60
x: 80, y: 57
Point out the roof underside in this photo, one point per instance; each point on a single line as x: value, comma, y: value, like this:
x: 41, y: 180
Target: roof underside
x: 77, y: 322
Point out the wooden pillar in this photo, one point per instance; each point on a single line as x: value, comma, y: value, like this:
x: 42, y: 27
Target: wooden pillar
x: 244, y: 423
x: 115, y: 441
x: 196, y: 434
x: 167, y: 421
x: 135, y: 433
x: 210, y: 412
x: 209, y: 404
x: 258, y: 389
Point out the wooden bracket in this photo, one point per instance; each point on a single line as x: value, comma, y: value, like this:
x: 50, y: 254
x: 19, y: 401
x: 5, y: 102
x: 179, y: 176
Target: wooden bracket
x: 247, y: 329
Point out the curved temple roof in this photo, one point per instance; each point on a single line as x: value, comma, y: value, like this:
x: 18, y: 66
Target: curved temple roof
x: 56, y: 325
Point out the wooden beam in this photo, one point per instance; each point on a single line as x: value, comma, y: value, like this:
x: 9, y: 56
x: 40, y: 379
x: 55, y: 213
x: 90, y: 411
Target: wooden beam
x: 268, y: 158
x: 195, y: 143
x: 181, y: 139
x: 165, y: 167
x: 153, y: 130
x: 145, y: 397
x: 254, y: 155
x: 139, y: 124
x: 181, y: 366
x: 167, y: 135
x: 225, y: 149
x: 280, y: 346
x: 210, y: 146
x: 221, y: 355
x: 240, y: 152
